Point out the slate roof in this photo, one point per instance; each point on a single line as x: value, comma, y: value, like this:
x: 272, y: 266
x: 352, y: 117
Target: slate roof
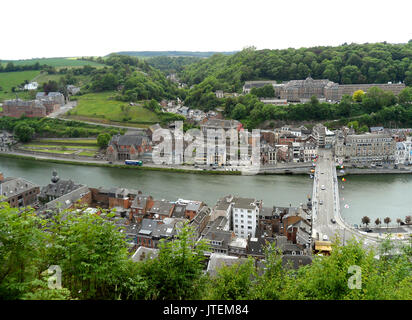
x: 58, y: 189
x: 295, y: 261
x: 179, y: 211
x: 217, y: 260
x: 244, y: 203
x: 129, y: 140
x: 161, y: 207
x: 12, y: 186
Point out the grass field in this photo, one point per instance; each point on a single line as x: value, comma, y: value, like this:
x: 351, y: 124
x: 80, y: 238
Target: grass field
x: 83, y: 147
x: 54, y: 62
x: 72, y: 142
x: 100, y: 106
x: 45, y: 77
x: 14, y: 79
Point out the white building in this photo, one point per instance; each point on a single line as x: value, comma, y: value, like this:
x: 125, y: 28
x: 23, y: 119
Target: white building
x: 403, y: 153
x: 31, y: 86
x: 245, y: 213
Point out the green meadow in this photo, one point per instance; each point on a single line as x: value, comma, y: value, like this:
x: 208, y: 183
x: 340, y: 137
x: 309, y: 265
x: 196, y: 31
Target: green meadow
x: 54, y: 62
x: 14, y: 79
x: 103, y: 108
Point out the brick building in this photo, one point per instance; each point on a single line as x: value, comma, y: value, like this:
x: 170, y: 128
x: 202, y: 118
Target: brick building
x: 17, y: 108
x: 128, y: 147
x: 18, y: 192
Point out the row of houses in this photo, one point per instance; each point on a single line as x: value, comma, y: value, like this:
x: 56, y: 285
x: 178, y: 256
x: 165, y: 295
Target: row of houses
x: 234, y: 227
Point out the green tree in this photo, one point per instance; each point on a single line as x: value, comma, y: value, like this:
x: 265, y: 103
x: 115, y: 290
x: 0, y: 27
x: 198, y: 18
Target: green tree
x: 364, y: 128
x: 24, y: 132
x: 22, y: 251
x: 387, y: 220
x: 177, y: 271
x: 354, y: 125
x: 366, y: 220
x: 357, y: 95
x: 103, y: 140
x: 405, y: 96
x: 239, y: 112
x: 235, y: 282
x: 92, y: 254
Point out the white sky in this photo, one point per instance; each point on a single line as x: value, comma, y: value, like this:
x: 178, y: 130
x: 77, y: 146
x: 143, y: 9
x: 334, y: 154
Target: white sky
x: 47, y: 28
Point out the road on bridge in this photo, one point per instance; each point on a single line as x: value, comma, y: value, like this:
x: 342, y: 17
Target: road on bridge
x: 326, y: 215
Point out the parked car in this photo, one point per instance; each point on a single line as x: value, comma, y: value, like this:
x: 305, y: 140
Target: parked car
x: 333, y: 220
x: 323, y: 187
x: 325, y: 237
x: 320, y: 201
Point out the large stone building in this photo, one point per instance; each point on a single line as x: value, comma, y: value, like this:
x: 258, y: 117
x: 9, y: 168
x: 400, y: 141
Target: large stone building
x: 41, y: 107
x: 303, y: 90
x: 366, y: 148
x: 128, y: 147
x: 17, y: 108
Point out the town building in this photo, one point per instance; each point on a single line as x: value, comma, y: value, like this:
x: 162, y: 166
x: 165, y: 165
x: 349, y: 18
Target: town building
x: 216, y: 144
x: 128, y: 147
x: 245, y: 213
x: 17, y: 108
x: 151, y: 231
x: 161, y: 209
x: 73, y: 90
x: 218, y: 236
x: 18, y: 192
x: 57, y: 188
x: 403, y: 154
x: 56, y: 97
x: 31, y: 86
x: 366, y: 148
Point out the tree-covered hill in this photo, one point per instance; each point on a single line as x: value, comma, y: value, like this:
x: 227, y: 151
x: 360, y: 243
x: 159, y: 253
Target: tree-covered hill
x: 345, y: 64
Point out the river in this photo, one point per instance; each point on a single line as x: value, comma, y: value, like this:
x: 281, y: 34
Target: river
x: 371, y: 195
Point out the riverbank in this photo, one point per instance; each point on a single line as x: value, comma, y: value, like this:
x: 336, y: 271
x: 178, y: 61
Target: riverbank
x: 120, y: 166
x: 359, y: 171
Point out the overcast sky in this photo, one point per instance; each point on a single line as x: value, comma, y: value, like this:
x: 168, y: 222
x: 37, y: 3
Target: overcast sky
x: 54, y: 28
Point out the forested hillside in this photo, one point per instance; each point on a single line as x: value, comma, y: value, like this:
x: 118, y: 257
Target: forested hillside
x: 345, y: 64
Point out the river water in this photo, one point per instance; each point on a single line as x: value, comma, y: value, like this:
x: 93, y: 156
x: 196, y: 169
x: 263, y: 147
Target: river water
x: 371, y: 195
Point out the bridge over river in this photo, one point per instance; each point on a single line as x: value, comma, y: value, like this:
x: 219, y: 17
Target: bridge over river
x: 326, y: 207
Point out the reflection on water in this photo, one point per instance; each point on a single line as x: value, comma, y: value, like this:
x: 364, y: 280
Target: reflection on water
x: 273, y: 190
x: 376, y: 196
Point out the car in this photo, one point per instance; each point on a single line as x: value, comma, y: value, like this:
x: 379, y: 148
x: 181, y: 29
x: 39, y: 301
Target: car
x: 368, y: 230
x: 323, y: 187
x: 333, y: 220
x: 325, y: 237
x: 320, y: 201
x: 322, y: 173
